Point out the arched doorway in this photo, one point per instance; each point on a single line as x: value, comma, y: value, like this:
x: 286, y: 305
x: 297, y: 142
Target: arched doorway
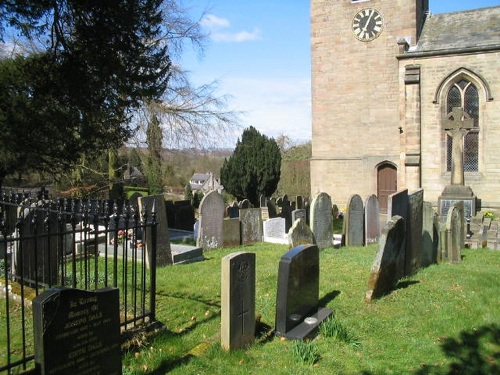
x: 387, y: 184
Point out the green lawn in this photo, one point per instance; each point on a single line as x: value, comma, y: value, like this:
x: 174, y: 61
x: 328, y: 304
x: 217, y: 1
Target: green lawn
x: 445, y: 319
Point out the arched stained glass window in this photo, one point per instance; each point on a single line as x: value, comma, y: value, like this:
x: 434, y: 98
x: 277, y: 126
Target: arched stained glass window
x: 464, y: 94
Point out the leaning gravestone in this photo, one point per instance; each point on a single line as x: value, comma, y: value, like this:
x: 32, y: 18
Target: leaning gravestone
x: 414, y: 220
x: 237, y: 300
x: 354, y: 222
x: 77, y: 332
x: 300, y: 234
x: 297, y: 312
x: 251, y: 225
x: 163, y: 251
x: 211, y: 215
x: 389, y: 260
x: 322, y: 220
x: 372, y: 220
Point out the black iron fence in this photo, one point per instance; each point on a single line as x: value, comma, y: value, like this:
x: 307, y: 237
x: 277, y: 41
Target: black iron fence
x: 84, y: 244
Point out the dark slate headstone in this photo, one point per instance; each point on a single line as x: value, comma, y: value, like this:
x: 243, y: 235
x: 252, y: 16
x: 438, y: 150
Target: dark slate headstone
x: 237, y: 300
x: 163, y: 253
x: 233, y: 212
x: 286, y: 212
x: 299, y: 214
x: 77, y: 332
x: 322, y: 220
x: 297, y: 312
x: 413, y: 257
x: 184, y: 215
x: 211, y: 215
x: 271, y: 208
x: 372, y: 220
x: 387, y: 266
x: 397, y: 204
x: 354, y: 222
x: 299, y: 202
x: 251, y: 225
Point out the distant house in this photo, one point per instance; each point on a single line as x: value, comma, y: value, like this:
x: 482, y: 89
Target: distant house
x: 205, y: 182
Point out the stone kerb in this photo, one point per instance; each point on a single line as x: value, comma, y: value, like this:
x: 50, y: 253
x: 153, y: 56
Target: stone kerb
x: 387, y: 267
x: 322, y: 220
x: 211, y: 216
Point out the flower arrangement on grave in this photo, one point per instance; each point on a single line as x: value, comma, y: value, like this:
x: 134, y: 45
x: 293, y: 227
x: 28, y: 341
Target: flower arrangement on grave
x: 489, y: 215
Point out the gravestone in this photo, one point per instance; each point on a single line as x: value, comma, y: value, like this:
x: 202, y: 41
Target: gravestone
x: 233, y: 211
x: 335, y: 212
x: 184, y: 215
x: 36, y: 256
x: 271, y: 208
x: 77, y: 331
x: 322, y: 220
x: 211, y: 215
x: 274, y: 231
x: 300, y: 234
x: 251, y: 225
x: 397, y: 204
x: 244, y: 204
x: 454, y: 233
x: 231, y: 232
x: 237, y: 300
x: 413, y: 257
x: 163, y: 252
x: 299, y: 202
x: 264, y: 213
x: 430, y: 235
x: 372, y: 220
x: 456, y: 125
x: 262, y: 201
x: 286, y: 211
x: 299, y: 214
x: 170, y: 208
x: 297, y: 312
x: 354, y: 222
x: 389, y: 260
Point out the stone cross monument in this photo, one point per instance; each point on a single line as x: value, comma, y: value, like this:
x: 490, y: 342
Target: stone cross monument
x: 457, y: 124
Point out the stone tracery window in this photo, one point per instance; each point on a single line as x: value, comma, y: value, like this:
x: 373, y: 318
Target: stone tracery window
x: 464, y: 94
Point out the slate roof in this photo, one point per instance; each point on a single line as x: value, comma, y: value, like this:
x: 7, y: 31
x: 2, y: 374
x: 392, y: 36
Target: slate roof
x: 460, y: 31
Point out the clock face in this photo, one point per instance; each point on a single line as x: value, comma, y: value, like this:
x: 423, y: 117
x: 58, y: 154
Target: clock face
x: 367, y: 24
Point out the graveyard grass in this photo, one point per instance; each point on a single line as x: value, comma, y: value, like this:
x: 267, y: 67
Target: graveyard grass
x: 445, y: 319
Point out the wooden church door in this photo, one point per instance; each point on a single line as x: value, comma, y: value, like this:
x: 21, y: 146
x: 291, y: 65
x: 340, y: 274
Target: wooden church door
x: 387, y: 184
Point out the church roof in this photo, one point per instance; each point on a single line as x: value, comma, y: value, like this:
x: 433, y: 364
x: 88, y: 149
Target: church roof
x: 460, y: 31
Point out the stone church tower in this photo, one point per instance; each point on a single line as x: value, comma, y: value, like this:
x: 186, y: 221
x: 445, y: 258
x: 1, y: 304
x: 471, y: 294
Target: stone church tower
x: 385, y: 73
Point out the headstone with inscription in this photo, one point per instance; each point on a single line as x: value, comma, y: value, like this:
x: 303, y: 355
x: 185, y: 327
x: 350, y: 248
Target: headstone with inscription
x: 211, y: 215
x: 389, y: 261
x: 251, y: 225
x: 372, y: 220
x: 354, y: 222
x: 77, y: 332
x: 299, y: 213
x: 298, y: 314
x: 163, y: 252
x: 237, y: 300
x: 322, y: 220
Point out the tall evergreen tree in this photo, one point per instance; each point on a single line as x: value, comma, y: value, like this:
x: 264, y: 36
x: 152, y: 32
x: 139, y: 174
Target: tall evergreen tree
x: 254, y: 167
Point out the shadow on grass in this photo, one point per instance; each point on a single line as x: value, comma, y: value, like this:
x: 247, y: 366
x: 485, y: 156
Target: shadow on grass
x: 474, y: 352
x: 405, y: 284
x: 327, y: 298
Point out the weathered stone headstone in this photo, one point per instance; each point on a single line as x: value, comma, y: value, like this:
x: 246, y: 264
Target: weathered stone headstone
x: 163, y: 253
x: 244, y: 204
x: 237, y: 300
x: 299, y: 214
x: 77, y: 331
x: 322, y: 220
x: 430, y: 235
x: 372, y: 220
x: 413, y: 257
x: 387, y: 266
x: 297, y: 312
x: 231, y: 232
x: 274, y: 230
x: 335, y: 212
x: 454, y: 233
x: 300, y: 234
x: 211, y: 215
x: 354, y: 222
x: 251, y: 225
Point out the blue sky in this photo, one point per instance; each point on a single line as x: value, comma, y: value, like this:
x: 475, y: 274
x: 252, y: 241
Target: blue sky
x: 259, y: 53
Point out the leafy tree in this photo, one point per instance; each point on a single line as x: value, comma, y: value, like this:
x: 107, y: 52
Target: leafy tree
x: 254, y: 167
x: 99, y: 61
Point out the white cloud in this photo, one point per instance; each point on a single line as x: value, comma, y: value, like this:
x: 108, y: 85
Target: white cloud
x: 215, y: 25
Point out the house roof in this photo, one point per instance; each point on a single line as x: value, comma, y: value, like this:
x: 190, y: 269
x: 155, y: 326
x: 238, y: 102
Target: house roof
x: 200, y: 176
x: 460, y: 31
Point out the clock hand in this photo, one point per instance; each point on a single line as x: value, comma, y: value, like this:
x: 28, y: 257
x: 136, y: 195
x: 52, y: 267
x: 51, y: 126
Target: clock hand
x: 368, y: 21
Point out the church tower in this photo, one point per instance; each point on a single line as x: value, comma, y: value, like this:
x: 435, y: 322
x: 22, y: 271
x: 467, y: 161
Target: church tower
x: 358, y: 144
